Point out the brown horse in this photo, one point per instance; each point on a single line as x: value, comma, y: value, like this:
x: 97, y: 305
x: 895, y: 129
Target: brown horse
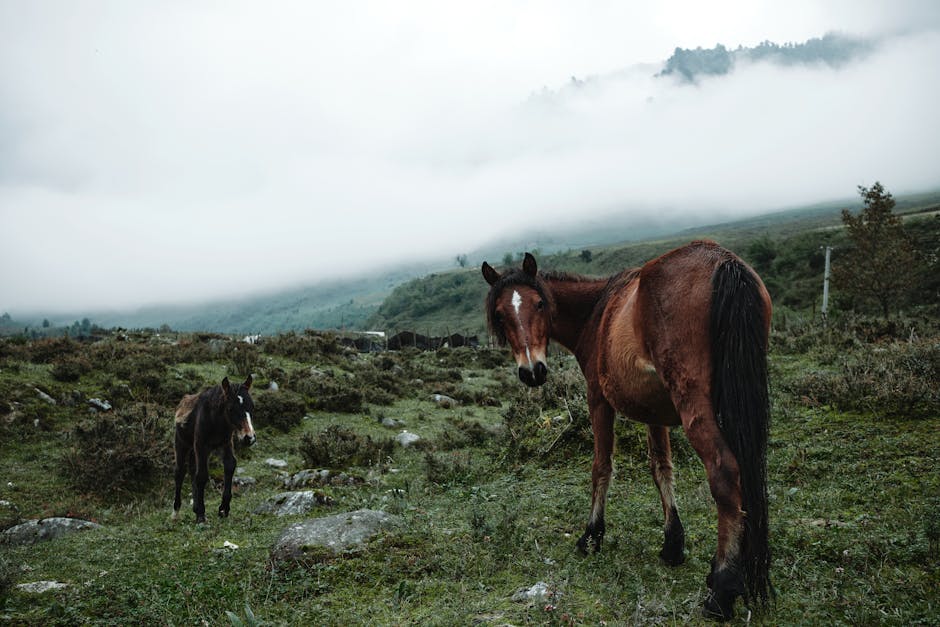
x: 681, y: 340
x: 206, y: 422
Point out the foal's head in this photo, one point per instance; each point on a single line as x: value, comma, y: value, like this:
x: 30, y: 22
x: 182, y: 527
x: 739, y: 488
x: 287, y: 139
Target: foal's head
x: 237, y: 407
x: 519, y: 311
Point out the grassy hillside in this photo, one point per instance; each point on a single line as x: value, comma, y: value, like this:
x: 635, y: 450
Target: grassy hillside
x: 491, y: 499
x: 786, y: 248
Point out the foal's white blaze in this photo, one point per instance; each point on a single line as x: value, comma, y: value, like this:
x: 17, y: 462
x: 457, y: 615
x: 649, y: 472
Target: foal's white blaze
x: 249, y: 431
x: 516, y: 304
x: 241, y: 401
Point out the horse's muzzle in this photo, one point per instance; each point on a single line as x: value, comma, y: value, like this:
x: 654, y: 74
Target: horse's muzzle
x: 536, y: 377
x: 248, y: 440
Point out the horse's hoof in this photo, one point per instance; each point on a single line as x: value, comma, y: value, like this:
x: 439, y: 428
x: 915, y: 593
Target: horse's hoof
x: 200, y: 520
x: 588, y: 541
x: 719, y: 607
x: 671, y: 556
x: 223, y: 513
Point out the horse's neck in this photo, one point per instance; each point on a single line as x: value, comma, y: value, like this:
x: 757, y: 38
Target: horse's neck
x: 575, y: 302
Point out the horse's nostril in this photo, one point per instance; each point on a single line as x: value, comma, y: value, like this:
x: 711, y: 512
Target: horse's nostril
x: 541, y: 372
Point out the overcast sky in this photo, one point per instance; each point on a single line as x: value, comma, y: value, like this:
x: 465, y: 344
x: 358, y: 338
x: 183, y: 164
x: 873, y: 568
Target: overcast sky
x: 171, y: 152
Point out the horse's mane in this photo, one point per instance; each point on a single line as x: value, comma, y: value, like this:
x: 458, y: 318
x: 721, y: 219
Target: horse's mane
x: 517, y: 276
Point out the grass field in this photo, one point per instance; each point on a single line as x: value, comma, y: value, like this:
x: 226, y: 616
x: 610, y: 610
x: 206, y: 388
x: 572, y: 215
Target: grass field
x: 854, y: 488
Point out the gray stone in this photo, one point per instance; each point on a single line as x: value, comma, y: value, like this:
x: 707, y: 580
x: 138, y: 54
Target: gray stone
x: 275, y: 463
x: 444, y: 401
x: 537, y: 592
x: 293, y: 503
x: 44, y: 529
x: 45, y: 397
x: 38, y: 587
x: 244, y: 482
x: 100, y: 405
x: 406, y: 439
x: 339, y: 533
x: 392, y: 423
x: 273, y: 386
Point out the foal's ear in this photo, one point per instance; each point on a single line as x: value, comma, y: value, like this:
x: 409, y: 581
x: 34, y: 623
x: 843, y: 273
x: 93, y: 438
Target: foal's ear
x: 529, y: 266
x: 247, y: 383
x: 491, y: 275
x: 226, y: 388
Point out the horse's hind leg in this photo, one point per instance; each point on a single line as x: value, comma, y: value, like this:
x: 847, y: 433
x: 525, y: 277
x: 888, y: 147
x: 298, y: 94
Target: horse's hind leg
x: 200, y: 474
x: 660, y: 457
x: 602, y: 422
x: 725, y: 580
x: 182, y: 456
x: 228, y: 465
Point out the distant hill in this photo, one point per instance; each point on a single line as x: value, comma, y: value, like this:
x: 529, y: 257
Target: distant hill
x: 833, y: 49
x: 785, y: 247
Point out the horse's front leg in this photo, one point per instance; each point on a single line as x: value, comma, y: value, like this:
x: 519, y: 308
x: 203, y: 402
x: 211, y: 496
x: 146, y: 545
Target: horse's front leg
x: 200, y: 473
x: 660, y: 457
x: 602, y: 423
x: 228, y: 464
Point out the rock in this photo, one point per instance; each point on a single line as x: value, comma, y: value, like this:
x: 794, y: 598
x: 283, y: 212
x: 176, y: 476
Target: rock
x: 244, y: 482
x: 292, y: 503
x: 273, y: 386
x: 392, y: 423
x: 338, y: 533
x: 537, y: 592
x: 444, y: 401
x: 38, y: 587
x: 33, y: 531
x: 45, y: 397
x: 275, y: 463
x: 309, y: 478
x: 407, y: 439
x: 98, y: 404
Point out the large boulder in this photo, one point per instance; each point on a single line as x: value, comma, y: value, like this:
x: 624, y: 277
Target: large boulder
x: 44, y: 529
x: 333, y: 534
x: 292, y: 503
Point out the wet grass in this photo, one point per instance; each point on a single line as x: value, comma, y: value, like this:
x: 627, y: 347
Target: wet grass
x: 854, y: 510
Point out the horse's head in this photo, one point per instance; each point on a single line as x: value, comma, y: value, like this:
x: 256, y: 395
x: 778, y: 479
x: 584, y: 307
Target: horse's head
x: 238, y: 406
x: 519, y: 312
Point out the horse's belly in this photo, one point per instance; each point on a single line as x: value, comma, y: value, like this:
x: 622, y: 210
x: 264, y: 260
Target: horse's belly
x: 639, y: 394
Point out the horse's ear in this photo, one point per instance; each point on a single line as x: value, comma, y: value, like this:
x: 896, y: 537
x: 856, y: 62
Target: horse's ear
x: 529, y: 266
x: 226, y: 387
x: 247, y: 383
x: 491, y: 275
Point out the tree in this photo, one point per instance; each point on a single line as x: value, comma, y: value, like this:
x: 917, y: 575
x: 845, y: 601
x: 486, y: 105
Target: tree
x: 461, y: 260
x: 586, y: 256
x: 881, y: 265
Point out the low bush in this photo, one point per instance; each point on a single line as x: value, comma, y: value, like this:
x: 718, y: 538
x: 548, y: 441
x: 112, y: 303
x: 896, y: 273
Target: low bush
x: 70, y: 368
x: 898, y: 380
x: 282, y: 410
x: 337, y: 447
x: 123, y: 451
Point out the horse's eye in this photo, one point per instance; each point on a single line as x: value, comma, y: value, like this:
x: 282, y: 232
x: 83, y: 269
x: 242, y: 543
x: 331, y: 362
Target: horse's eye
x: 540, y: 305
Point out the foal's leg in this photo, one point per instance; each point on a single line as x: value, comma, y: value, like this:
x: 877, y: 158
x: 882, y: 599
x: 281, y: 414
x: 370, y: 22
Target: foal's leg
x: 725, y: 579
x: 182, y: 459
x: 602, y: 422
x: 200, y: 473
x: 228, y: 464
x: 660, y: 457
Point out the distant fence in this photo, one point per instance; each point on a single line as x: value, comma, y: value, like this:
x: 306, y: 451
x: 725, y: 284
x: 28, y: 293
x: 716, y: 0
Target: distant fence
x: 373, y: 342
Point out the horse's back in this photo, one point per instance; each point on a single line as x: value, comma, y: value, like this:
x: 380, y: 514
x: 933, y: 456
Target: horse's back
x: 186, y: 407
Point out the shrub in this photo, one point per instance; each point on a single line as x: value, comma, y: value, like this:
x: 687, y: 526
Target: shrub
x: 899, y: 380
x: 449, y: 469
x: 49, y: 349
x: 70, y: 368
x: 328, y: 394
x: 337, y: 447
x: 282, y: 410
x: 120, y: 451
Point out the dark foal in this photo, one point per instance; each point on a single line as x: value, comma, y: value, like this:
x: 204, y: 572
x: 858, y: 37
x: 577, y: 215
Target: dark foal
x: 205, y: 422
x: 679, y: 341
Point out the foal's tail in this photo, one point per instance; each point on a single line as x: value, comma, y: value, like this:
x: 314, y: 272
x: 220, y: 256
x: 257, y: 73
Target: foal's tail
x: 740, y: 398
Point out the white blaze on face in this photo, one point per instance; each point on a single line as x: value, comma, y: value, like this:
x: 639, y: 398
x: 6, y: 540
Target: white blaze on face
x: 516, y: 304
x: 249, y: 430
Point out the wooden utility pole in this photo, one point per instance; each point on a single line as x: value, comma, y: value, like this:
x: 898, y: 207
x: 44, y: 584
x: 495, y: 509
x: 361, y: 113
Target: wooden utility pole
x: 825, y: 301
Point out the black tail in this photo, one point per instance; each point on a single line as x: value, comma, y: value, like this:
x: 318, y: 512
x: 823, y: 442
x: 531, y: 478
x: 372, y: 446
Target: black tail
x: 742, y: 405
